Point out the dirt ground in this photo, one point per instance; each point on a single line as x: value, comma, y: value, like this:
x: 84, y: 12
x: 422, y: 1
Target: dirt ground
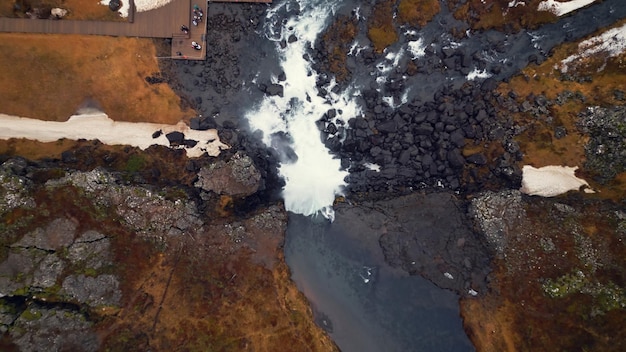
x: 51, y: 76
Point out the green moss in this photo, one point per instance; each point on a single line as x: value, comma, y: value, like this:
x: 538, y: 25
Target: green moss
x: 565, y: 285
x: 135, y: 163
x: 606, y: 297
x: 90, y: 272
x: 31, y: 314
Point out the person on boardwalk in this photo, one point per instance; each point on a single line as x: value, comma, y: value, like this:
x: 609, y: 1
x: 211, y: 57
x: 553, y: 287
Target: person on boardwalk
x: 196, y: 46
x: 184, y: 29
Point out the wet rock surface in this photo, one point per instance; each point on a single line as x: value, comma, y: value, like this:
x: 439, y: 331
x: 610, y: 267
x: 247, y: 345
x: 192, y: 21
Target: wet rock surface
x: 430, y: 235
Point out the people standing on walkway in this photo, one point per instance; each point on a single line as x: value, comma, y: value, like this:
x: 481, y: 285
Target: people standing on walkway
x: 184, y: 29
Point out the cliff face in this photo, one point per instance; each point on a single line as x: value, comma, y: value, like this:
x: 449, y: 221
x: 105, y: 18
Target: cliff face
x: 91, y: 261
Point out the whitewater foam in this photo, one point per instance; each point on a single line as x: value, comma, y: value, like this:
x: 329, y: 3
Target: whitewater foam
x: 314, y: 178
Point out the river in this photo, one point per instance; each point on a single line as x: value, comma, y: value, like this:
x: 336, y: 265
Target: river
x: 361, y: 301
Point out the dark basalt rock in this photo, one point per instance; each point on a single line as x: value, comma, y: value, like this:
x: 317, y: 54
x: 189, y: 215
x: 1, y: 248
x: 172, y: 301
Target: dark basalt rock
x: 175, y: 138
x: 274, y: 89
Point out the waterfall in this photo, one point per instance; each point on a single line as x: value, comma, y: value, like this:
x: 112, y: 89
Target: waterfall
x: 313, y: 177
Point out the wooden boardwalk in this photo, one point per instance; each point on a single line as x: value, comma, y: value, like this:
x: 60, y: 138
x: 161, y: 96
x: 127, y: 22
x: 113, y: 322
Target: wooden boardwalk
x: 164, y: 22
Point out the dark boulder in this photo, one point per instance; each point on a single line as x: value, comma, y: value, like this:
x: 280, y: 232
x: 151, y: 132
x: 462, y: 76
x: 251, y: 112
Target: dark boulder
x: 455, y: 158
x: 274, y: 89
x: 457, y: 138
x: 175, y: 138
x: 478, y: 159
x: 387, y: 126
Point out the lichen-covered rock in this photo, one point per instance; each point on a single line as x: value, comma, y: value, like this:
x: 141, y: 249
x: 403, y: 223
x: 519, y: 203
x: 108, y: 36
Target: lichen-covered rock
x: 14, y: 186
x: 47, y: 272
x: 146, y: 212
x: 497, y: 215
x: 16, y: 270
x: 238, y: 177
x: 41, y: 329
x: 90, y: 250
x: 606, y: 149
x: 102, y: 290
x: 58, y: 234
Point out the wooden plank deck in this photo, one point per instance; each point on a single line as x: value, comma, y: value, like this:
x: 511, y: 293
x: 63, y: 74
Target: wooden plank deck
x: 164, y: 22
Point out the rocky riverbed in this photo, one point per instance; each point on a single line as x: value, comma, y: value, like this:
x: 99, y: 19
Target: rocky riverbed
x: 123, y: 249
x: 465, y: 137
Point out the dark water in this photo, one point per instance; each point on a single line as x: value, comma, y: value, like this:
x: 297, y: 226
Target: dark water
x: 363, y: 303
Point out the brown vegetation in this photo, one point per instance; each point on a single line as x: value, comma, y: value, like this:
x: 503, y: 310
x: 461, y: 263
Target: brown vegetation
x: 77, y: 9
x: 382, y: 31
x: 487, y: 14
x: 518, y: 314
x: 336, y: 43
x: 417, y: 12
x: 51, y: 76
x: 539, y: 145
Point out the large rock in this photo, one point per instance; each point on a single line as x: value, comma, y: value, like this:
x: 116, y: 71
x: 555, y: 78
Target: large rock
x: 41, y: 329
x: 237, y: 177
x: 102, y: 290
x: 427, y: 235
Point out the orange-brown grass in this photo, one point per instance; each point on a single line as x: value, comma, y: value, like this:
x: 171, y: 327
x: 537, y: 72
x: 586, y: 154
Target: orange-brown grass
x: 538, y: 143
x: 50, y: 76
x: 336, y: 43
x: 417, y: 12
x: 382, y: 31
x: 486, y: 14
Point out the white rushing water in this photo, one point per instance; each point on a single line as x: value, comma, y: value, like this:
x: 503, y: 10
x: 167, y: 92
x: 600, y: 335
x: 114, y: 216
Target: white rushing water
x: 315, y: 178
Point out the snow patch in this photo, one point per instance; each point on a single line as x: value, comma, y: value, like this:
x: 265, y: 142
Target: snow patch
x: 551, y: 181
x: 612, y: 43
x: 561, y: 8
x: 140, y: 5
x: 97, y: 125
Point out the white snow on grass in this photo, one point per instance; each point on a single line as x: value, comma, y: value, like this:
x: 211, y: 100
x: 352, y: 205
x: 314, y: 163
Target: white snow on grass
x: 612, y: 43
x: 561, y: 8
x: 140, y: 5
x: 99, y: 126
x: 550, y: 181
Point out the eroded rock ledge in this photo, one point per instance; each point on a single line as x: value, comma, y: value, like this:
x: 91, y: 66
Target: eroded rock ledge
x: 93, y: 262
